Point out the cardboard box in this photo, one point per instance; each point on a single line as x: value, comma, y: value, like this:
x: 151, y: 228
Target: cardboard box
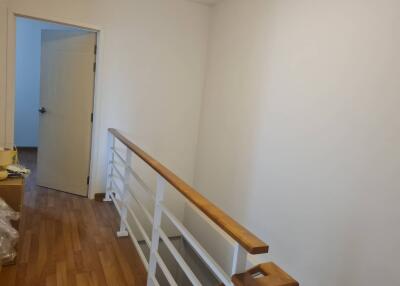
x: 12, y: 192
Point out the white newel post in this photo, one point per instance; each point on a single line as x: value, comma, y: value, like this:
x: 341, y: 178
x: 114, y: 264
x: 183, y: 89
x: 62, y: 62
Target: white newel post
x: 155, y: 237
x: 239, y: 261
x: 123, y: 232
x: 110, y: 162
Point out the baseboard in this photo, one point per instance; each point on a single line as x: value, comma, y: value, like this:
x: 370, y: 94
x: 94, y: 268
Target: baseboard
x: 26, y: 148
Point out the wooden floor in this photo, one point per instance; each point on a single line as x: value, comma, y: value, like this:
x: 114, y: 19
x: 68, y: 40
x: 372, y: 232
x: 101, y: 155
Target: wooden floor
x: 70, y: 241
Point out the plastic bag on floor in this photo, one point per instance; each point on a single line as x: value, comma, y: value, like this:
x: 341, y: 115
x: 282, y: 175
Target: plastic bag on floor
x: 7, y: 212
x: 8, y: 239
x: 8, y: 235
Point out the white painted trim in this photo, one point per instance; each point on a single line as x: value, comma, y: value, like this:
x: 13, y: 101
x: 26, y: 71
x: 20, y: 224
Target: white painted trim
x: 239, y: 264
x: 10, y: 80
x: 10, y: 83
x: 110, y: 169
x: 155, y: 236
x: 57, y: 20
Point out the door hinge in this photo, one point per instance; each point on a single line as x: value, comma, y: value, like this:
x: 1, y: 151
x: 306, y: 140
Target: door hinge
x: 94, y: 67
x: 95, y: 49
x: 88, y: 180
x: 91, y: 117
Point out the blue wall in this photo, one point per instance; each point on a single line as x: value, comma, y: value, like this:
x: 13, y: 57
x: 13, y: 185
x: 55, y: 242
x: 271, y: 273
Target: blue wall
x: 27, y: 89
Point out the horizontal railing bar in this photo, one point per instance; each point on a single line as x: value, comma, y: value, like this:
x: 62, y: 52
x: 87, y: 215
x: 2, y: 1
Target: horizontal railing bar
x: 120, y: 191
x: 243, y: 236
x: 130, y: 191
x: 178, y: 257
x: 155, y: 281
x: 215, y: 268
x: 118, y: 172
x: 122, y: 179
x: 117, y: 188
x: 200, y: 251
x: 160, y: 261
x: 164, y: 238
x: 118, y: 155
x: 203, y: 253
x: 147, y: 214
x: 142, y: 230
x: 132, y: 194
x: 116, y: 162
x: 140, y: 181
x: 165, y: 270
x: 116, y: 203
x: 210, y: 262
x: 133, y: 238
x: 212, y: 224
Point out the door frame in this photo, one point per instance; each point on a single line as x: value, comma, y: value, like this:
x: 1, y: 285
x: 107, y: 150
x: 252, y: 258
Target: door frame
x: 10, y: 84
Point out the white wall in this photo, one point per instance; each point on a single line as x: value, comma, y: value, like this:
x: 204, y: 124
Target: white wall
x: 150, y: 73
x: 27, y: 76
x: 299, y: 130
x: 300, y: 133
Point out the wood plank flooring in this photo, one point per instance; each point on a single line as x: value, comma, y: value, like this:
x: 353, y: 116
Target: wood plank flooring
x: 67, y: 240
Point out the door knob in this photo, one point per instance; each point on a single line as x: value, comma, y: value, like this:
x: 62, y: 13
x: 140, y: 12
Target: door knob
x: 42, y: 110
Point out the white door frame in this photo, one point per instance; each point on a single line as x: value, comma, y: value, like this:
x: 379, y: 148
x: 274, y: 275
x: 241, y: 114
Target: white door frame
x: 10, y: 83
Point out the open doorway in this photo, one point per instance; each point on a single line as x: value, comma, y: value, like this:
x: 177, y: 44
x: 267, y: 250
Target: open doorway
x: 54, y: 90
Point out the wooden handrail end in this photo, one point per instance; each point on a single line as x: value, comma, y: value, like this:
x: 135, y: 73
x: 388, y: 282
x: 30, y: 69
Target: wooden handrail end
x: 259, y: 249
x: 267, y: 274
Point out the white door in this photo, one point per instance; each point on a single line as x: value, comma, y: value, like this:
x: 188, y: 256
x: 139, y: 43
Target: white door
x: 66, y: 99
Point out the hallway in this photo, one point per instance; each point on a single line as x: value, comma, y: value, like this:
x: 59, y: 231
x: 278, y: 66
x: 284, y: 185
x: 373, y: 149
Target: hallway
x: 67, y: 240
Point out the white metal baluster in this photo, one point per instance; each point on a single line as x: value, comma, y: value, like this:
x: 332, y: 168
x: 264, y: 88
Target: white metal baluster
x: 198, y: 248
x: 110, y: 150
x: 123, y: 232
x: 239, y: 260
x: 155, y: 237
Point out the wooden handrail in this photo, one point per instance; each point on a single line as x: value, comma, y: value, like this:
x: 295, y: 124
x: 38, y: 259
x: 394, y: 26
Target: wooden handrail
x: 241, y: 235
x: 266, y: 274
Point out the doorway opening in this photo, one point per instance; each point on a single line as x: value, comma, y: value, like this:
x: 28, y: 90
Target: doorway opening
x: 54, y: 97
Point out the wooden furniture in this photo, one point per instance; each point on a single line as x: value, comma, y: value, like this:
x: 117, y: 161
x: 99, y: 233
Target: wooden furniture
x: 12, y: 192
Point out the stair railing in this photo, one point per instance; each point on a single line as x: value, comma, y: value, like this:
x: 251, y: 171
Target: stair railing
x: 120, y: 191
